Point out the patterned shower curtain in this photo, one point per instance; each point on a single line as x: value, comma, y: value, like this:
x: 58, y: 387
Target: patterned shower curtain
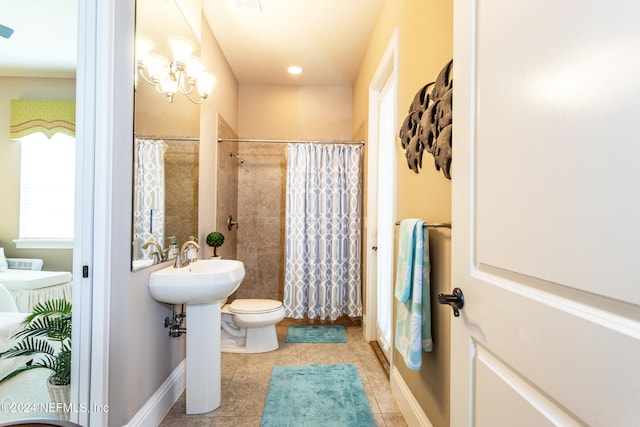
x: 322, y: 249
x: 148, y: 200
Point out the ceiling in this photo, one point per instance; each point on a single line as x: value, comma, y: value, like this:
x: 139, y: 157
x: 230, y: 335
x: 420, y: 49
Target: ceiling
x: 44, y: 42
x: 326, y: 38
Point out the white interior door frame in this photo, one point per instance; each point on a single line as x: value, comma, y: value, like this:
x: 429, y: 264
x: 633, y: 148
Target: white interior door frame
x: 96, y: 78
x: 83, y: 231
x: 387, y: 69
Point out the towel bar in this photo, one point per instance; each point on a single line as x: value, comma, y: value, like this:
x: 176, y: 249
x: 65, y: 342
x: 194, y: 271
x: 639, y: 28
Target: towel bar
x: 435, y: 225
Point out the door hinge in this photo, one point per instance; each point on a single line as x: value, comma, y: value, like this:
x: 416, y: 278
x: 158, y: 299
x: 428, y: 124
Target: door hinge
x: 85, y: 271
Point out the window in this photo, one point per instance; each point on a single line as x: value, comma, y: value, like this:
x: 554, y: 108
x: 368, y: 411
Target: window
x: 47, y: 189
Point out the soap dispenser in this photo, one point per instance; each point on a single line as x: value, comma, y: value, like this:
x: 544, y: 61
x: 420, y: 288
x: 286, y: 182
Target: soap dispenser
x: 173, y: 247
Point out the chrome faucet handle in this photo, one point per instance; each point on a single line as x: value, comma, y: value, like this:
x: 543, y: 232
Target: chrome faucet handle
x: 188, y: 243
x: 181, y: 259
x: 159, y: 254
x: 157, y: 258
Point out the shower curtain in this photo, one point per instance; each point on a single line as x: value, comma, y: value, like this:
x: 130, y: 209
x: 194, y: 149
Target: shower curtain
x: 322, y: 249
x: 148, y: 209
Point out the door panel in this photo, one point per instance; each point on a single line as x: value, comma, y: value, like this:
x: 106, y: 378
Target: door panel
x: 504, y: 395
x: 559, y: 346
x: 556, y: 103
x: 545, y: 206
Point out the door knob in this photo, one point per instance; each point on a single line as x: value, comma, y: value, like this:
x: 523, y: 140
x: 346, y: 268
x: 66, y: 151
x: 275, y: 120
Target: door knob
x: 455, y: 300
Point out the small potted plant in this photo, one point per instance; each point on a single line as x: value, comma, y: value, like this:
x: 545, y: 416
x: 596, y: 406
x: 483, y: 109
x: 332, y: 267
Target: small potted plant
x: 47, y: 332
x: 215, y: 239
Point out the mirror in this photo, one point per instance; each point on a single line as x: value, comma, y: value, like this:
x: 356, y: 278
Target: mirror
x: 165, y: 146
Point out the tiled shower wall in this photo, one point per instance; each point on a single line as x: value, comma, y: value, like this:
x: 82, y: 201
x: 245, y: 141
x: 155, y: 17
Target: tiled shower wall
x: 181, y: 187
x: 261, y: 218
x: 227, y: 192
x: 254, y: 194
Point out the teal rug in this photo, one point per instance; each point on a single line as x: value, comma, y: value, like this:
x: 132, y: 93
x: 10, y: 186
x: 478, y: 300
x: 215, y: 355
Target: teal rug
x: 316, y: 334
x: 316, y: 396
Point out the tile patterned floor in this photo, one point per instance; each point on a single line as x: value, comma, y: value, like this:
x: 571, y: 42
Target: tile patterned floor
x: 245, y: 381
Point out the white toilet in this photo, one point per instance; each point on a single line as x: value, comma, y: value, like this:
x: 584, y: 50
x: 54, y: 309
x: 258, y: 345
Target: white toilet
x: 249, y: 325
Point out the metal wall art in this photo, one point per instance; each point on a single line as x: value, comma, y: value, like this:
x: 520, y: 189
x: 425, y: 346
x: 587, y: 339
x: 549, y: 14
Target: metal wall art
x: 428, y: 124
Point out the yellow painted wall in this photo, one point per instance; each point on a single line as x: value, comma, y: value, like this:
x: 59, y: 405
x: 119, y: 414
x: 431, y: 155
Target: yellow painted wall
x: 425, y: 46
x: 295, y: 112
x: 24, y: 88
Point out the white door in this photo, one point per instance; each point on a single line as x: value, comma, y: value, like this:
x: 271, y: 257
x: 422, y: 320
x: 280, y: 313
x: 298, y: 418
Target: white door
x: 546, y: 204
x: 381, y: 197
x: 385, y: 217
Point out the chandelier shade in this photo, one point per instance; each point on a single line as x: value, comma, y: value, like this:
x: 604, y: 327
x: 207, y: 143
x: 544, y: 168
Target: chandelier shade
x: 182, y: 74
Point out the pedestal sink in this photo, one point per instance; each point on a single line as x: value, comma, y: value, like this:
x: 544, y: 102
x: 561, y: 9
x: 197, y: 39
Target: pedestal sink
x: 201, y: 286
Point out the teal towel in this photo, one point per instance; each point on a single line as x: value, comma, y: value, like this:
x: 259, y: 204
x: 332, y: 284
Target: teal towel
x: 412, y: 290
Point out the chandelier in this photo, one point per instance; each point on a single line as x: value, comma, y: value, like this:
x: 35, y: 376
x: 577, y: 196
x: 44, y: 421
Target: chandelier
x: 183, y: 74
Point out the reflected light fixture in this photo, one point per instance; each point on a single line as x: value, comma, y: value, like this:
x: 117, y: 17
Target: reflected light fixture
x: 294, y: 69
x: 182, y: 74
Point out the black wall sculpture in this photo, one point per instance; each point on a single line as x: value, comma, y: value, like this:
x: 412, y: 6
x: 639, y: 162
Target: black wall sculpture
x: 428, y: 124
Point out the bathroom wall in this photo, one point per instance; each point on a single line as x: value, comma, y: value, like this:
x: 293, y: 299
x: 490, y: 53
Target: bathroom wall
x: 227, y: 186
x: 425, y: 46
x: 277, y: 112
x: 222, y: 103
x: 26, y: 88
x: 156, y: 116
x: 143, y: 356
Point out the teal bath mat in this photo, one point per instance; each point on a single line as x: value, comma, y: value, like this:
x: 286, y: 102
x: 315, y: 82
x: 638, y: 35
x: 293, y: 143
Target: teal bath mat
x: 316, y: 334
x: 316, y: 396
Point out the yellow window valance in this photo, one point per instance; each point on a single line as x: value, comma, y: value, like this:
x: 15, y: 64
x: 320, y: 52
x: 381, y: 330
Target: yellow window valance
x: 37, y: 115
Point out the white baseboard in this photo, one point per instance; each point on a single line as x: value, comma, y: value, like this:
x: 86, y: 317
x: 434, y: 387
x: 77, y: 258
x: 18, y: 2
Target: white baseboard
x: 411, y: 410
x: 159, y: 404
x: 368, y: 328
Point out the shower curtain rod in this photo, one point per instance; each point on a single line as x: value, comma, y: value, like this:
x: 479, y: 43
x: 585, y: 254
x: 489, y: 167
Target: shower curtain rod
x: 168, y: 138
x: 290, y: 141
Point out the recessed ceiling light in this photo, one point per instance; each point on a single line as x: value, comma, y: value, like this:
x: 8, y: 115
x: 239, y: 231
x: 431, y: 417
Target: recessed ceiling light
x: 294, y: 69
x: 248, y: 4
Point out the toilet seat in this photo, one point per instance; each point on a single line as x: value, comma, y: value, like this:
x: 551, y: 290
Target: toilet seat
x: 254, y: 306
x: 253, y: 313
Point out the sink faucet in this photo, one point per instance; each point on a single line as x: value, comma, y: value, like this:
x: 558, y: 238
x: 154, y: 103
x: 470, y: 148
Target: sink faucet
x: 158, y: 255
x: 182, y: 260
